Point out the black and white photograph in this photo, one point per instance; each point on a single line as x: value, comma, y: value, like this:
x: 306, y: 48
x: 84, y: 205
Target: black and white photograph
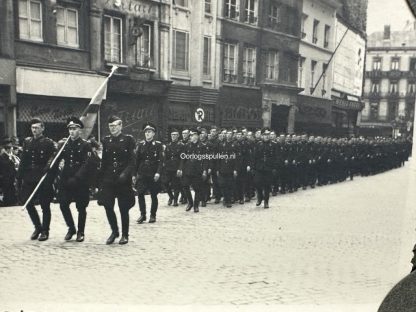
x: 207, y: 155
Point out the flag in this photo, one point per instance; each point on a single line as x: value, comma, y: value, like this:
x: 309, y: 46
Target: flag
x: 89, y: 116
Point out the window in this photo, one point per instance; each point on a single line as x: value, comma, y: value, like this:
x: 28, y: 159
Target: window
x: 313, y: 67
x: 30, y: 20
x: 206, y: 66
x: 395, y: 63
x: 251, y: 11
x: 326, y: 36
x: 301, y: 67
x: 376, y: 63
x: 182, y: 3
x: 394, y: 88
x: 249, y: 65
x: 315, y: 31
x: 67, y: 26
x: 274, y: 14
x: 304, y: 18
x: 412, y: 64
x: 113, y: 39
x: 230, y: 62
x: 208, y: 6
x: 411, y: 87
x: 324, y: 69
x: 180, y: 50
x: 272, y: 65
x: 393, y: 110
x: 231, y: 9
x: 374, y: 110
x: 144, y: 47
x: 365, y: 113
x: 375, y: 88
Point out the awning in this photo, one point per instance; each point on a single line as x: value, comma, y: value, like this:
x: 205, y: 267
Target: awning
x: 47, y: 82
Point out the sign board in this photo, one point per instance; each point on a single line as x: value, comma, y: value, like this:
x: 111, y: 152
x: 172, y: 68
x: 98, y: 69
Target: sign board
x: 199, y: 115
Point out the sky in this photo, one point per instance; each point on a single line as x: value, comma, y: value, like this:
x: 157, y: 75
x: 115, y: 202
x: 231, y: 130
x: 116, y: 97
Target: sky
x: 383, y: 12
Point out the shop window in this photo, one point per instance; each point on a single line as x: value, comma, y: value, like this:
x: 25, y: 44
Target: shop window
x: 302, y: 61
x: 180, y: 50
x: 395, y: 62
x: 230, y: 62
x: 208, y: 6
x: 67, y: 26
x: 206, y: 68
x: 231, y: 9
x: 326, y: 36
x: 251, y: 11
x: 144, y: 47
x: 30, y: 20
x: 376, y: 63
x: 272, y: 65
x: 249, y: 65
x: 113, y: 39
x: 315, y: 31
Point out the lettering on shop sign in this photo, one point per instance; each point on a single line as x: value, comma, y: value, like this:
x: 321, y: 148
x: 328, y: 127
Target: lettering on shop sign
x: 185, y: 114
x: 132, y: 6
x: 314, y: 111
x: 240, y: 113
x: 57, y: 113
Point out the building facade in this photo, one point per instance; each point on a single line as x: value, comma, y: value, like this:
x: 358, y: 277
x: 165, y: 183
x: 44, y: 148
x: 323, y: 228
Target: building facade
x: 390, y: 78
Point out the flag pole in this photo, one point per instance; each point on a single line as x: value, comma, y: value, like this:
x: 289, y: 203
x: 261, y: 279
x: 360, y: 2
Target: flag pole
x: 113, y: 69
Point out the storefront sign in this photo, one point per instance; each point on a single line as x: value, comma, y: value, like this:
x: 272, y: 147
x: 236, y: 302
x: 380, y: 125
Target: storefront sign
x: 241, y: 113
x: 185, y: 113
x: 136, y: 7
x: 313, y: 110
x: 346, y: 104
x: 199, y: 115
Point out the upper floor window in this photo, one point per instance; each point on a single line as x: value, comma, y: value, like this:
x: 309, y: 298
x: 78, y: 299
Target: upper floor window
x: 302, y: 61
x: 251, y: 11
x: 230, y: 62
x: 274, y: 14
x: 206, y: 63
x: 208, y: 6
x: 376, y: 63
x: 30, y: 20
x: 67, y: 26
x: 144, y: 47
x: 231, y: 9
x: 113, y: 39
x: 182, y: 3
x: 249, y: 65
x: 313, y: 68
x: 395, y: 63
x: 302, y: 26
x: 326, y: 36
x: 375, y: 88
x: 411, y: 87
x: 394, y: 87
x: 180, y: 50
x: 412, y: 64
x: 324, y: 69
x: 315, y: 31
x: 272, y: 65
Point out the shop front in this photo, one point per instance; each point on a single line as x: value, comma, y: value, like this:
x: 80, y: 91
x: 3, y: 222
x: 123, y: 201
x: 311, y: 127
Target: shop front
x: 7, y: 97
x: 240, y: 107
x: 345, y: 115
x: 313, y: 116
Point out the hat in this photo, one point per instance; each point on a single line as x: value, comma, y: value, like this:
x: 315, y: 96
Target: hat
x: 203, y: 130
x: 174, y: 131
x: 74, y: 122
x: 265, y: 131
x: 149, y: 126
x: 35, y: 121
x: 194, y: 131
x: 113, y: 118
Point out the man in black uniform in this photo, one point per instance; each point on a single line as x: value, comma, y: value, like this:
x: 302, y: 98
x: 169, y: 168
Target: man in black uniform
x: 75, y: 178
x: 193, y: 169
x: 7, y: 173
x: 117, y: 167
x: 149, y: 159
x: 38, y: 153
x: 172, y: 159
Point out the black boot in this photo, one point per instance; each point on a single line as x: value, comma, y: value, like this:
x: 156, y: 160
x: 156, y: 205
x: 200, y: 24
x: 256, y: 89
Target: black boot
x: 123, y: 240
x: 112, y: 238
x: 44, y: 235
x: 71, y: 232
x: 141, y: 219
x: 35, y: 234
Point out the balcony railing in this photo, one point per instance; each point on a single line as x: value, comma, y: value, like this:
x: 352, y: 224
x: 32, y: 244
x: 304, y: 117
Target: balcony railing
x: 230, y: 78
x: 394, y: 74
x: 374, y: 74
x: 250, y: 81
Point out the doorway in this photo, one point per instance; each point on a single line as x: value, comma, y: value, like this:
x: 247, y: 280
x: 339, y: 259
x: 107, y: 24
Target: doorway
x: 280, y: 116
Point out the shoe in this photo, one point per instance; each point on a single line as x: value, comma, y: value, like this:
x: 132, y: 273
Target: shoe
x: 274, y: 193
x: 217, y: 201
x: 247, y: 200
x: 241, y: 202
x: 35, y: 234
x: 141, y: 219
x: 189, y: 207
x: 112, y: 238
x: 80, y: 237
x: 175, y: 203
x: 258, y: 202
x: 123, y: 240
x: 204, y: 204
x: 44, y: 235
x: 266, y: 205
x: 229, y: 205
x: 152, y: 219
x: 169, y: 203
x: 70, y: 233
x: 196, y: 209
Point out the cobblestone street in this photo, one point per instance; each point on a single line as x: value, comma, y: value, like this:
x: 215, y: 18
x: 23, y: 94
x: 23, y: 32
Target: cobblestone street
x: 345, y: 244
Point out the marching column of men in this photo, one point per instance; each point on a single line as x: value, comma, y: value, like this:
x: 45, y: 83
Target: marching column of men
x: 231, y: 165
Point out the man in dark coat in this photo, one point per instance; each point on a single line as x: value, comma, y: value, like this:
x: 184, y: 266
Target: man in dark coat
x: 74, y: 178
x: 149, y: 159
x: 37, y: 155
x: 117, y: 167
x: 7, y: 173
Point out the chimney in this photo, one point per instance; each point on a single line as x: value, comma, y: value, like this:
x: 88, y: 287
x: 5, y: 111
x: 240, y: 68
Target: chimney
x: 386, y: 32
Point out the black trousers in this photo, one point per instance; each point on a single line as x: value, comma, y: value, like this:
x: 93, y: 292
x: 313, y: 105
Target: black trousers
x: 226, y: 182
x: 263, y: 181
x: 82, y: 216
x: 196, y: 183
x: 147, y: 183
